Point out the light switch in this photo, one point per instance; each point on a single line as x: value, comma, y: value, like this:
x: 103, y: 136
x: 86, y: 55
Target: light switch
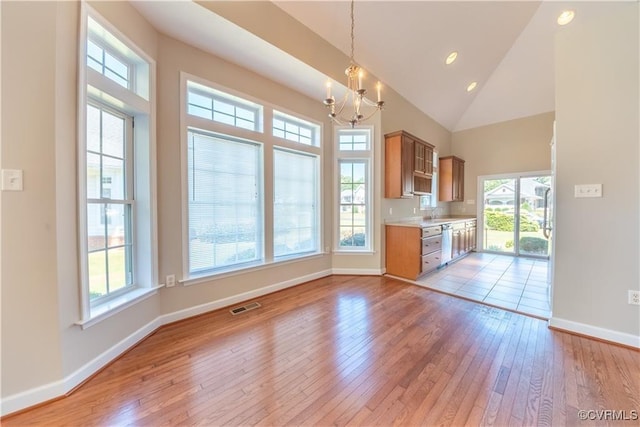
x: 11, y: 180
x: 588, y: 190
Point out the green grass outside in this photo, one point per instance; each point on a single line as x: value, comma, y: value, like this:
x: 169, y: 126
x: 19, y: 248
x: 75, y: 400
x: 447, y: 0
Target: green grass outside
x: 98, y: 273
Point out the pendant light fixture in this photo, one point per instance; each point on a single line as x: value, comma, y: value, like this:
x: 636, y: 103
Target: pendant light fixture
x: 354, y: 108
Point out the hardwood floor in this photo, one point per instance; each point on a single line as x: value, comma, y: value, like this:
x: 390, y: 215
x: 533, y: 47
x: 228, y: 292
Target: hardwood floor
x: 350, y: 350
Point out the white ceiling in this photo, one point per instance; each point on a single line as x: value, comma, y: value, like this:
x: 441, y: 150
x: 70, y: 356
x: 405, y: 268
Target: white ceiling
x: 506, y: 46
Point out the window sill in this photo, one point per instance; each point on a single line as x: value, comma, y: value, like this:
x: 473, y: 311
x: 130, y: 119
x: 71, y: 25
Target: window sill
x: 353, y: 252
x: 228, y: 273
x: 116, y: 305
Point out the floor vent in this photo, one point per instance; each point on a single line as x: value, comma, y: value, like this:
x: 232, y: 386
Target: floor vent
x: 244, y: 308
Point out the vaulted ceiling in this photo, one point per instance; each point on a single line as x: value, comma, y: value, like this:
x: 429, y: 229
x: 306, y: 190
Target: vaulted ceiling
x: 506, y: 46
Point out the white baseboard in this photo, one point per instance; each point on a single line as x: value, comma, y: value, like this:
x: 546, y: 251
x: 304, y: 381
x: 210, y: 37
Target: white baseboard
x: 595, y: 332
x: 358, y: 271
x: 59, y: 388
x: 225, y: 302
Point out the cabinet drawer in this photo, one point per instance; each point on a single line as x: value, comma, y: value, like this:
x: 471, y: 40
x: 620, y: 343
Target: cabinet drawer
x: 431, y: 231
x: 431, y: 244
x: 431, y: 261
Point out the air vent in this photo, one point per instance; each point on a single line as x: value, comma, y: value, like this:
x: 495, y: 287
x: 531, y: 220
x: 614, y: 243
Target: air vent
x: 245, y: 308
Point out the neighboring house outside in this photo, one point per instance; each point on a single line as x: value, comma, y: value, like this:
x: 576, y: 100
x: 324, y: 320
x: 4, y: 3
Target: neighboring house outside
x: 531, y: 192
x: 350, y: 197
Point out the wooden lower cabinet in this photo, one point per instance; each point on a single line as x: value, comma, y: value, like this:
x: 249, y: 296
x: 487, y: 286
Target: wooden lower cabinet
x: 412, y: 251
x: 463, y: 239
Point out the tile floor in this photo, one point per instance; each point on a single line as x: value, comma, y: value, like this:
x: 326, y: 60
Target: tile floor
x: 518, y: 284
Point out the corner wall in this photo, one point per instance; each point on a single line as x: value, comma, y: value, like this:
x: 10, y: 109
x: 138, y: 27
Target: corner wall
x: 520, y: 145
x: 597, y: 113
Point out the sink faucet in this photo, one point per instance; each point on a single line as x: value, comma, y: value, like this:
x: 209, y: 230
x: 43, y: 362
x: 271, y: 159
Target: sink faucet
x: 434, y: 213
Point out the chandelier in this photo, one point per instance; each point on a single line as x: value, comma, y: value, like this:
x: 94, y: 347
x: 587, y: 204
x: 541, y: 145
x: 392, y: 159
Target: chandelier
x: 354, y: 107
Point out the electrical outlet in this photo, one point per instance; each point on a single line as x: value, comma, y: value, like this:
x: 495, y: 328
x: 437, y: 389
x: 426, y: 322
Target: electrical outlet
x: 634, y: 297
x: 171, y: 280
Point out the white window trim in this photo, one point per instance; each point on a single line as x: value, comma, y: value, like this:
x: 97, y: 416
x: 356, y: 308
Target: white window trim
x: 269, y: 142
x: 367, y: 155
x: 105, y: 91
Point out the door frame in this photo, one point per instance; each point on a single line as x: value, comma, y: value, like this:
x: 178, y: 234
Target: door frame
x: 480, y: 210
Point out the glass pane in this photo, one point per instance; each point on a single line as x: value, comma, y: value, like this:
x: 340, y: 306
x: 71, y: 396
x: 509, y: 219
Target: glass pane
x: 113, y: 178
x: 200, y: 100
x: 116, y: 66
x: 93, y: 129
x: 199, y: 112
x: 499, y: 215
x: 532, y: 240
x: 97, y: 274
x: 358, y: 172
x: 245, y: 114
x: 117, y: 269
x: 223, y: 107
x: 113, y: 137
x: 291, y: 136
x: 95, y: 226
x: 94, y: 52
x: 93, y: 176
x: 116, y: 222
x: 116, y: 78
x: 244, y: 124
x: 224, y: 118
x: 278, y: 124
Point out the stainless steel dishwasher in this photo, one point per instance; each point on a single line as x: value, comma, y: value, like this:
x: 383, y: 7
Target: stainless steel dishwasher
x: 447, y: 237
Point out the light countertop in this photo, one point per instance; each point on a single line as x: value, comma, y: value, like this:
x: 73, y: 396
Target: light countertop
x: 421, y: 222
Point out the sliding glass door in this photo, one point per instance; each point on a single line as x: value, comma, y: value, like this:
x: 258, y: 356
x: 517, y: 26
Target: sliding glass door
x: 513, y: 214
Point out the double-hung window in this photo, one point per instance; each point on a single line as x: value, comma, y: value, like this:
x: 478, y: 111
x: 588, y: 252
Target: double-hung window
x: 354, y: 158
x: 109, y: 179
x: 116, y: 170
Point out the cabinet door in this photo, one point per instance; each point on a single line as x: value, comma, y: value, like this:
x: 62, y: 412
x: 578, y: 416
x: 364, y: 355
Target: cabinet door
x: 428, y: 160
x: 407, y: 167
x: 458, y: 180
x: 419, y: 159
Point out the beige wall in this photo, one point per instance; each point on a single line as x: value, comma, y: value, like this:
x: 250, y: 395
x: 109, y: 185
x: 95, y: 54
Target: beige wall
x: 31, y: 347
x: 597, y: 245
x: 520, y: 145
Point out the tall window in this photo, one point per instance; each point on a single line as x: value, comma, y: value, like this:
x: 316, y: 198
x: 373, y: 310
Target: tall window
x: 354, y: 189
x: 109, y: 200
x: 295, y: 203
x: 116, y: 170
x: 225, y: 207
x: 241, y: 212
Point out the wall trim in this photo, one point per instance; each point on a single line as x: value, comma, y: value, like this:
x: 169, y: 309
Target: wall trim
x: 358, y: 271
x: 56, y: 389
x: 595, y: 332
x: 225, y: 302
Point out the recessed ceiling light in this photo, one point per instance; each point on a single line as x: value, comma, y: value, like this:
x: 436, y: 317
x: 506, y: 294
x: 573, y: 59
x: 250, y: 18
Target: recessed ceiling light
x: 566, y: 17
x: 472, y: 86
x: 452, y: 57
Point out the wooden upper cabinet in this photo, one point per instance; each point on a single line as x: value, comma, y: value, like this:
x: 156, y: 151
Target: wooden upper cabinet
x: 423, y: 158
x: 408, y: 165
x: 451, y: 178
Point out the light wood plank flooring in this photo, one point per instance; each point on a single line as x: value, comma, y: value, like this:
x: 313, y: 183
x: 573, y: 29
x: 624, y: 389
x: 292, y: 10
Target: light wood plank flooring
x: 350, y: 350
